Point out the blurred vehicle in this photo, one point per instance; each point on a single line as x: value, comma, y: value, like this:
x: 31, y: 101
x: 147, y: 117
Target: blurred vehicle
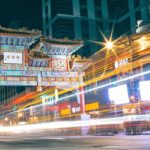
x: 134, y: 127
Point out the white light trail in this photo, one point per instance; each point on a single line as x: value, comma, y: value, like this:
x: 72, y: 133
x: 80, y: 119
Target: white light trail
x: 95, y: 88
x: 73, y: 124
x: 108, y: 84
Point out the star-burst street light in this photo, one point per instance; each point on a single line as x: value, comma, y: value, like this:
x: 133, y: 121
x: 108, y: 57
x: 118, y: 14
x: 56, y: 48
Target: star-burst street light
x: 109, y: 45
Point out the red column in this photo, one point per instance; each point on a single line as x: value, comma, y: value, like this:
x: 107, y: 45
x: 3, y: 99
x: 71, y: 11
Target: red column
x: 82, y: 100
x: 26, y: 57
x: 81, y: 95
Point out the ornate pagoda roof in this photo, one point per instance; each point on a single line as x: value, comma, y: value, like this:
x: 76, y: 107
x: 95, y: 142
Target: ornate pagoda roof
x: 62, y: 41
x: 56, y: 46
x: 23, y: 31
x: 42, y: 45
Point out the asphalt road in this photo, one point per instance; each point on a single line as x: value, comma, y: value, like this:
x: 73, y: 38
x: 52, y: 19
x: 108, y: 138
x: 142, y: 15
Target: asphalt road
x: 118, y: 142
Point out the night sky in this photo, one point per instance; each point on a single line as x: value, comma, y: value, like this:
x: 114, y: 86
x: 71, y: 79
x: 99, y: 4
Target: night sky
x: 21, y: 10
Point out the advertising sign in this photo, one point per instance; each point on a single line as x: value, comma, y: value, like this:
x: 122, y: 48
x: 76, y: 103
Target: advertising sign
x: 64, y: 112
x: 119, y: 94
x: 92, y: 106
x: 121, y: 63
x: 144, y: 90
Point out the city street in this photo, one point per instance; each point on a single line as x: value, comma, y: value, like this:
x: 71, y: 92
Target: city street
x: 118, y: 142
x: 74, y: 75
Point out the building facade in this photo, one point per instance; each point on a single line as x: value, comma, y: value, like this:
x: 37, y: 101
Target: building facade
x: 82, y: 19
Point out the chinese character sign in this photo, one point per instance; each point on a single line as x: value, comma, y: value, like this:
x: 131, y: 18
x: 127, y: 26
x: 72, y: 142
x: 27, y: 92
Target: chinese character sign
x: 13, y: 58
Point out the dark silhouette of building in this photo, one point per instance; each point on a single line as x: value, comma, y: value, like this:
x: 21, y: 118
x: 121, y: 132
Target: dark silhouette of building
x: 82, y: 19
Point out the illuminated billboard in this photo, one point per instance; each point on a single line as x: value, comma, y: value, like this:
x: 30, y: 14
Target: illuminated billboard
x: 13, y: 58
x: 144, y: 90
x: 119, y: 94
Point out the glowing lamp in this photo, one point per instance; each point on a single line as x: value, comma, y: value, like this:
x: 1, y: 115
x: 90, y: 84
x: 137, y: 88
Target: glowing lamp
x: 109, y: 45
x: 6, y: 119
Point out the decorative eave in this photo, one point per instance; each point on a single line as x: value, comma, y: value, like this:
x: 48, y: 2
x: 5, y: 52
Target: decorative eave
x: 80, y: 63
x: 21, y: 31
x: 37, y: 55
x: 72, y: 46
x: 62, y: 41
x: 56, y: 47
